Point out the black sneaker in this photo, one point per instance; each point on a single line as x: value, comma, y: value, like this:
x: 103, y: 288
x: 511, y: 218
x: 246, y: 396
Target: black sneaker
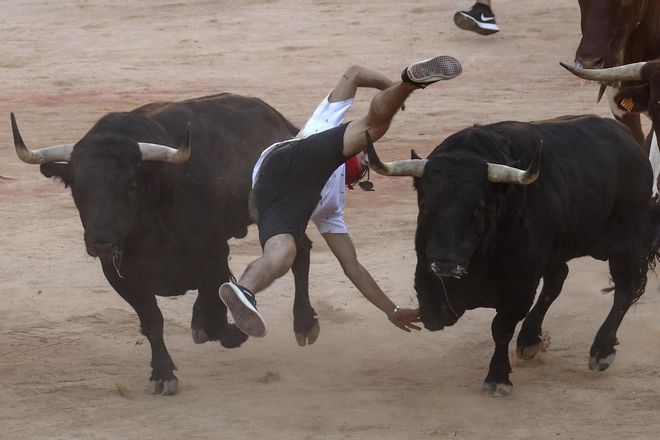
x: 242, y: 305
x: 423, y: 73
x: 479, y: 19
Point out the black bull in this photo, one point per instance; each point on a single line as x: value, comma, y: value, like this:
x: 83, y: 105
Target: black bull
x: 483, y: 242
x: 159, y: 218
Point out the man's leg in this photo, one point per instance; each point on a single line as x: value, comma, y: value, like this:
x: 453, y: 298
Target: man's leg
x: 277, y: 259
x: 386, y: 103
x: 278, y: 256
x: 331, y: 111
x: 358, y: 76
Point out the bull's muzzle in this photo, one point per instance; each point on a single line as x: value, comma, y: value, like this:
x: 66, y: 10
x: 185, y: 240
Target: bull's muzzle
x: 438, y: 318
x: 101, y: 250
x: 451, y: 270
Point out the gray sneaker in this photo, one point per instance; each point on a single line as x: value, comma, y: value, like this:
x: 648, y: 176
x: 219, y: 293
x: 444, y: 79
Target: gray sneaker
x: 242, y: 305
x: 423, y: 73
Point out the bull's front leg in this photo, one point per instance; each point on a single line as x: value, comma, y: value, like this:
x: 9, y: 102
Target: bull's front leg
x: 530, y: 336
x: 305, y: 325
x: 162, y: 379
x: 497, y: 381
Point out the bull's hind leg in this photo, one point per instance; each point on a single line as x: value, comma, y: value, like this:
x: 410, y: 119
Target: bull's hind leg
x: 529, y: 338
x: 624, y: 269
x: 305, y: 325
x: 209, y: 321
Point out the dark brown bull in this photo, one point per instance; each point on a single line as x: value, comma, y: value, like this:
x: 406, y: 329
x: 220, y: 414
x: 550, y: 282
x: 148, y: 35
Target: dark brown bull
x: 616, y: 32
x: 634, y: 98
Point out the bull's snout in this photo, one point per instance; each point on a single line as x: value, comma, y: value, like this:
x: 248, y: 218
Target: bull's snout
x: 448, y: 270
x: 437, y: 318
x: 100, y: 249
x: 433, y: 326
x: 594, y: 62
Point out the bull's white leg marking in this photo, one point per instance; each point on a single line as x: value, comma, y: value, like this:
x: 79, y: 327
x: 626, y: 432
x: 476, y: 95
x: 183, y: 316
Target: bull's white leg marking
x: 164, y: 387
x: 497, y: 390
x: 601, y: 364
x: 310, y: 337
x: 170, y: 387
x: 654, y: 158
x: 527, y: 353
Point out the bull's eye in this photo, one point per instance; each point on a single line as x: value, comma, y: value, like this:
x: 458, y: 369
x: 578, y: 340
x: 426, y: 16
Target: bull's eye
x: 132, y: 187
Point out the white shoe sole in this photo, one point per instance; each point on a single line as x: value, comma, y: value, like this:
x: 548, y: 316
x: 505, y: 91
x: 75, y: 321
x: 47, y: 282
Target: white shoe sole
x: 469, y: 23
x: 246, y: 317
x: 434, y: 69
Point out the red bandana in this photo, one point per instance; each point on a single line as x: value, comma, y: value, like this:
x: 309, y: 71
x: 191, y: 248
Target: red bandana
x: 353, y: 171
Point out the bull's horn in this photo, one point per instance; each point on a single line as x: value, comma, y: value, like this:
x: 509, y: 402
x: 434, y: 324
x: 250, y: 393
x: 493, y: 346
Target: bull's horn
x: 504, y: 174
x: 627, y: 72
x: 413, y: 167
x: 58, y: 153
x: 163, y: 153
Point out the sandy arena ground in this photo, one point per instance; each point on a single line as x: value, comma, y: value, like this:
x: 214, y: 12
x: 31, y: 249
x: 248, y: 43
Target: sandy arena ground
x: 73, y: 364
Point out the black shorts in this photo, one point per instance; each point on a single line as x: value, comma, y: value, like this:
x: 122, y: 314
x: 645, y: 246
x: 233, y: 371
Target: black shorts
x: 290, y: 181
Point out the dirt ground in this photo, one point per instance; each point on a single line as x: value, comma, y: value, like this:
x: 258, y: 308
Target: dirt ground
x: 72, y: 362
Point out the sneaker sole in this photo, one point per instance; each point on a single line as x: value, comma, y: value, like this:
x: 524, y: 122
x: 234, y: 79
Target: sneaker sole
x: 246, y: 317
x: 434, y: 69
x: 465, y: 22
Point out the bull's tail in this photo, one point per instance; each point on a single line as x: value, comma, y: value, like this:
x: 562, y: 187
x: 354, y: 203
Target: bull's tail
x: 652, y: 255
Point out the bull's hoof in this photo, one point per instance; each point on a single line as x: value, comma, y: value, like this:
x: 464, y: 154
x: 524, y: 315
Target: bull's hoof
x: 164, y: 387
x: 601, y: 364
x: 527, y: 353
x: 309, y: 337
x: 497, y: 389
x: 199, y: 336
x: 232, y: 337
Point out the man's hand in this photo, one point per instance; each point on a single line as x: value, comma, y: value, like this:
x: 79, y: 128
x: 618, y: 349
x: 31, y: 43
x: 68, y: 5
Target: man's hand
x: 404, y: 318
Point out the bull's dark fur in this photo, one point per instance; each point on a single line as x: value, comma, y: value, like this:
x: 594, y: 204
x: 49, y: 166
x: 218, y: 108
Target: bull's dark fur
x: 591, y: 198
x: 169, y: 222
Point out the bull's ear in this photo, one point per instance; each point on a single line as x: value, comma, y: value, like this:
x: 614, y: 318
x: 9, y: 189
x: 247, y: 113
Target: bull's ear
x: 57, y: 170
x: 414, y: 155
x: 633, y: 98
x: 417, y: 184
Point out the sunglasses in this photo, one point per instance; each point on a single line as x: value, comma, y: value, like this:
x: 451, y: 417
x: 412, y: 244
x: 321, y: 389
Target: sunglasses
x: 366, y: 185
